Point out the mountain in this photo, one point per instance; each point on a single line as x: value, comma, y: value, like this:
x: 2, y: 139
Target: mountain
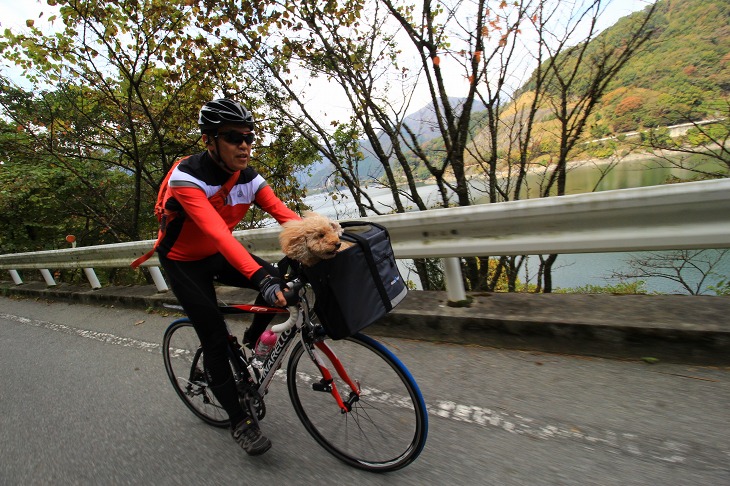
x: 422, y: 123
x: 682, y: 72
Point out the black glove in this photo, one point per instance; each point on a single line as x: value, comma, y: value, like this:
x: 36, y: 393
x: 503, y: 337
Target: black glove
x: 269, y: 286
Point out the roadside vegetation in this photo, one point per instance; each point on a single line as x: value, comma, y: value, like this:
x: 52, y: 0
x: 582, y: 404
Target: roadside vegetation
x: 108, y: 93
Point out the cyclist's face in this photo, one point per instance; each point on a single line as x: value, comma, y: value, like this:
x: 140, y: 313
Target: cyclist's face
x: 234, y: 146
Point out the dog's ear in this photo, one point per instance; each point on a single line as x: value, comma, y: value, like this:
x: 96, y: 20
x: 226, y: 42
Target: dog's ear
x: 336, y: 227
x: 292, y: 240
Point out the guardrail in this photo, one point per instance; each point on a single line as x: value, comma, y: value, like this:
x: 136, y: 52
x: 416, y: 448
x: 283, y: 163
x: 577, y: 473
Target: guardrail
x: 689, y: 215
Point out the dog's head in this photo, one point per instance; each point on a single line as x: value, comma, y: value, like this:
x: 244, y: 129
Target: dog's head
x: 311, y: 239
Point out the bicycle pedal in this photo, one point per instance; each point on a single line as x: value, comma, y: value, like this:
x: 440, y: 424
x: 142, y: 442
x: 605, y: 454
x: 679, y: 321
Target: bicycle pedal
x: 322, y: 386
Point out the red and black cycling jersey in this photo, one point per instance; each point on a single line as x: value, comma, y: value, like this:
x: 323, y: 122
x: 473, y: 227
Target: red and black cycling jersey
x: 199, y: 230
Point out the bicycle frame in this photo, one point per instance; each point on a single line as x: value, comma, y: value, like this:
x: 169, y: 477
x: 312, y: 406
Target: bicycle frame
x: 299, y: 316
x: 377, y: 421
x: 276, y: 356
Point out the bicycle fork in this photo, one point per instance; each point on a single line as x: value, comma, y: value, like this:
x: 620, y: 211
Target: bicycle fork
x: 327, y: 383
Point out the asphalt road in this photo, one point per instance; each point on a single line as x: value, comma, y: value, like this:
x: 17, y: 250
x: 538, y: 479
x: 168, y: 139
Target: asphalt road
x: 84, y: 399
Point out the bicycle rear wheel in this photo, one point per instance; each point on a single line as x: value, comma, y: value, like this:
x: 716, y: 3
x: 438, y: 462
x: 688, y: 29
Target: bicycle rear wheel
x: 387, y: 426
x: 184, y: 365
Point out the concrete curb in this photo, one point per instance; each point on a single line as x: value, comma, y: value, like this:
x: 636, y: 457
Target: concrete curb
x: 673, y: 328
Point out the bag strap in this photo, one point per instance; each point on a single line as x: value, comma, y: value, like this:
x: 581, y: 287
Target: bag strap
x: 139, y: 261
x: 368, y: 253
x: 349, y: 224
x: 217, y: 200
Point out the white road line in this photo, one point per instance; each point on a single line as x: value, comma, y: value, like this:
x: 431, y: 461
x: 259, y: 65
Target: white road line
x: 84, y: 333
x: 631, y: 444
x: 642, y: 447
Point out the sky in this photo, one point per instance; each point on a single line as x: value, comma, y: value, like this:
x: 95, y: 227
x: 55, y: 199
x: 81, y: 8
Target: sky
x: 14, y: 13
x: 331, y: 97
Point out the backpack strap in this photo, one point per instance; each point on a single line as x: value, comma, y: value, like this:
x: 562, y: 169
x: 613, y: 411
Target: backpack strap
x: 139, y: 261
x: 218, y: 200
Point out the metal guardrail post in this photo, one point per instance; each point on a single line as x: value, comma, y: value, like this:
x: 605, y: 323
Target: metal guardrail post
x: 48, y: 277
x: 16, y: 277
x: 158, y: 279
x: 454, y: 282
x: 93, y: 280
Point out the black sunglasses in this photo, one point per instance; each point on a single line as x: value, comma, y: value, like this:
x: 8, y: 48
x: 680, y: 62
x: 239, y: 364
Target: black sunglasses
x: 235, y: 138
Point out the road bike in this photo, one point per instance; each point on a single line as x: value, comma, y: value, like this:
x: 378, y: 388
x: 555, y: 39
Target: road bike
x: 353, y: 395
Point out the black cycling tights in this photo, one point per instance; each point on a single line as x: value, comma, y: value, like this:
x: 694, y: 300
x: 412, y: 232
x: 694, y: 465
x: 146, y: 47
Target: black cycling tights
x: 192, y: 284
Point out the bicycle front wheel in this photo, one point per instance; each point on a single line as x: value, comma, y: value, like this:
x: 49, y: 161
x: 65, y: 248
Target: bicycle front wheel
x: 387, y: 425
x: 183, y: 357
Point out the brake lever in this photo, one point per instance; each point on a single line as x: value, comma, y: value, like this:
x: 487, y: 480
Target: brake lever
x: 291, y: 293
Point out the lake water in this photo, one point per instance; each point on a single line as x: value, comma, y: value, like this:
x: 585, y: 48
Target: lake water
x: 570, y: 270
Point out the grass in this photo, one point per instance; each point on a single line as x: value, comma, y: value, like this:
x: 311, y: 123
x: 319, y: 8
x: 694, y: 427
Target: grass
x: 622, y: 288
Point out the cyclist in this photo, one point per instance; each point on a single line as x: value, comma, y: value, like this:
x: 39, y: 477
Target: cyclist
x: 198, y: 248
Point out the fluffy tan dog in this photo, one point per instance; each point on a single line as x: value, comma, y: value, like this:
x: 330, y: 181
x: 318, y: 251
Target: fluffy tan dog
x: 311, y: 239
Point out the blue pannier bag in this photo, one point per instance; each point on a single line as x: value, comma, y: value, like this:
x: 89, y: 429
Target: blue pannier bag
x: 360, y: 284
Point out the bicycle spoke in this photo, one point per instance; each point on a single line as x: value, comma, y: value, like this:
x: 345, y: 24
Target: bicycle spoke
x: 358, y: 400
x: 386, y: 426
x: 375, y: 395
x: 184, y: 364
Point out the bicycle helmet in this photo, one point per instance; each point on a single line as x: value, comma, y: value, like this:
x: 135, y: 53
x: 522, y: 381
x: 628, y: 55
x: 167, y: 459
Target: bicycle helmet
x: 221, y: 111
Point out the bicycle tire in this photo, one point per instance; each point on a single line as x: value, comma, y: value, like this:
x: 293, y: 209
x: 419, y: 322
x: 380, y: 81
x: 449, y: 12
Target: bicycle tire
x: 183, y: 358
x: 387, y: 427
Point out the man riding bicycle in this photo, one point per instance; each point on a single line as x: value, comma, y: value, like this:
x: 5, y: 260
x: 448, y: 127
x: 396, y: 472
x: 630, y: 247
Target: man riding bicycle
x: 199, y: 249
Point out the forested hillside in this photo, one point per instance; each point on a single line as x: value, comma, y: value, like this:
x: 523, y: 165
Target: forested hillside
x: 110, y: 93
x: 422, y: 122
x: 682, y: 74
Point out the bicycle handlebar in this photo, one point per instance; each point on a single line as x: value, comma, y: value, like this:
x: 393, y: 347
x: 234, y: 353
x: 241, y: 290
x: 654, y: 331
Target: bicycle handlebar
x: 292, y: 296
x: 291, y: 293
x: 289, y: 323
